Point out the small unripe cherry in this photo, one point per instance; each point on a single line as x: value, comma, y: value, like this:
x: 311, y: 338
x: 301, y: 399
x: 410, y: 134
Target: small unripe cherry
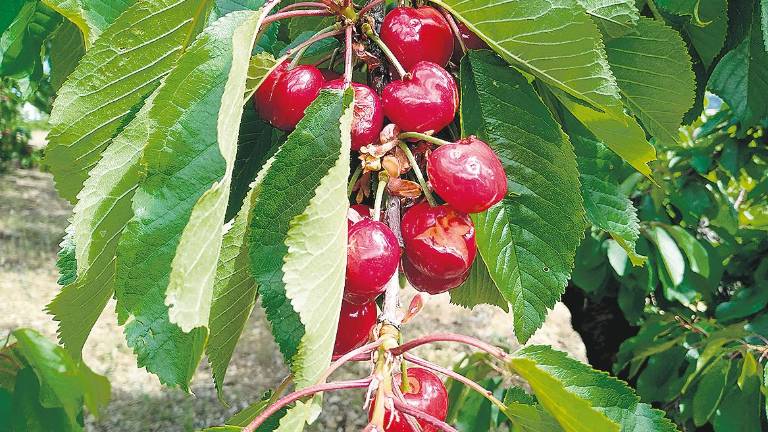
x: 430, y: 284
x: 367, y: 115
x: 355, y: 324
x: 417, y: 34
x: 285, y: 94
x: 425, y: 100
x: 426, y: 393
x: 373, y: 254
x: 467, y: 174
x: 439, y: 241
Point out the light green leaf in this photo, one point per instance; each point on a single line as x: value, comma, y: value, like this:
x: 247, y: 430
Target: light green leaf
x: 606, y: 206
x: 749, y: 369
x: 479, y: 288
x: 181, y: 161
x: 92, y: 17
x: 193, y: 269
x: 581, y: 398
x: 67, y: 48
x: 653, y: 70
x: 741, y: 76
x: 261, y: 65
x: 670, y: 253
x: 308, y: 155
x: 555, y: 40
x: 528, y: 241
x: 614, y: 17
x: 710, y: 391
x: 111, y: 82
x: 698, y: 258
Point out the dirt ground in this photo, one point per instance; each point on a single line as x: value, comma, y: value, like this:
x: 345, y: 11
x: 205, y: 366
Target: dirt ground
x: 32, y: 221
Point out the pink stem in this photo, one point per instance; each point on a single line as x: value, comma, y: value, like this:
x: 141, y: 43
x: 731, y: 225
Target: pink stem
x: 312, y: 40
x: 297, y: 13
x: 365, y: 349
x: 421, y: 415
x: 452, y: 337
x: 408, y: 418
x: 308, y: 391
x: 348, y: 57
x: 302, y: 5
x: 369, y: 6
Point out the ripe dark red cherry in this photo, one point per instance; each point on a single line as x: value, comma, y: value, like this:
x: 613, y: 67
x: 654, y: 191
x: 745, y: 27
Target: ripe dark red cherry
x: 330, y: 75
x: 373, y: 254
x: 426, y: 100
x: 427, y: 393
x: 417, y: 34
x: 429, y: 284
x: 355, y: 324
x: 470, y: 39
x: 284, y: 95
x: 368, y: 114
x: 467, y: 175
x: 439, y: 241
x: 356, y: 213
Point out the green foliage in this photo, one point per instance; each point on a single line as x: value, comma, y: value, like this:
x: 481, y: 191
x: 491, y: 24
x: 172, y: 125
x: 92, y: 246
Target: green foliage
x: 14, y: 133
x: 44, y: 387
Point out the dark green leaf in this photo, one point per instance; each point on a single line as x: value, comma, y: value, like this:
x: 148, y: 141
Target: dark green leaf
x: 710, y: 391
x: 708, y: 37
x: 66, y: 50
x: 745, y: 302
x: 30, y: 415
x: 740, y: 409
x: 21, y: 44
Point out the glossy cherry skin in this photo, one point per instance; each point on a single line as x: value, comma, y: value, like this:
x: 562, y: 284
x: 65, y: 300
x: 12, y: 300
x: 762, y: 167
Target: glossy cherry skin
x: 429, y: 284
x: 373, y: 254
x: 470, y: 39
x: 427, y: 393
x: 417, y: 34
x: 467, y: 175
x: 368, y: 114
x: 439, y: 241
x: 284, y: 95
x: 330, y: 75
x: 425, y: 100
x: 355, y: 324
x: 356, y: 213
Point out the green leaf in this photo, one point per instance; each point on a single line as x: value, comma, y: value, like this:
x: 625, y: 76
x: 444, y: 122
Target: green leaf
x: 664, y: 375
x: 22, y: 42
x: 92, y: 17
x: 746, y: 301
x: 528, y: 241
x: 657, y: 51
x: 740, y: 409
x: 479, y: 288
x: 657, y: 334
x: 708, y: 38
x: 299, y: 166
x: 245, y: 416
x: 581, y: 398
x: 614, y: 17
x: 261, y: 65
x: 749, y: 369
x: 555, y: 40
x: 193, y: 269
x: 66, y: 262
x: 710, y: 391
x: 8, y: 12
x: 111, y: 82
x: 181, y: 161
x: 67, y: 48
x: 698, y: 258
x: 30, y: 414
x: 741, y: 76
x: 673, y: 260
x: 606, y: 206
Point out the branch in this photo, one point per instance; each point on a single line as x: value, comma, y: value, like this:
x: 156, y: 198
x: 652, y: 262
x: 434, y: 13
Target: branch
x: 452, y: 337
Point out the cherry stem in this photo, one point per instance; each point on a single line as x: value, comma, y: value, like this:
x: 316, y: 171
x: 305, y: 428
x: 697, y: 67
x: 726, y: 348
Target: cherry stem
x: 308, y: 391
x: 350, y: 356
x: 452, y: 337
x: 383, y: 180
x: 419, y: 174
x: 302, y: 5
x: 348, y: 57
x: 456, y: 376
x: 424, y: 137
x: 368, y: 30
x: 297, y: 13
x: 455, y: 28
x: 302, y: 47
x: 421, y: 415
x: 370, y: 6
x: 353, y: 179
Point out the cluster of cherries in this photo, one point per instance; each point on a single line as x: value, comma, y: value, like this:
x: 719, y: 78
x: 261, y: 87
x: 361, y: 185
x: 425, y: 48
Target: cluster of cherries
x: 439, y: 240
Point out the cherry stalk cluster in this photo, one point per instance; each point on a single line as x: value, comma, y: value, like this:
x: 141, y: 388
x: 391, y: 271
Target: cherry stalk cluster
x: 394, y: 133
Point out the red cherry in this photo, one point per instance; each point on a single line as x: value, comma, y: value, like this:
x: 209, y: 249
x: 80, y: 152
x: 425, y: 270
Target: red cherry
x: 470, y: 39
x: 427, y: 393
x: 417, y: 34
x: 284, y: 95
x: 429, y: 284
x: 373, y: 254
x: 330, y: 75
x: 425, y: 100
x: 355, y: 324
x: 356, y: 213
x: 368, y: 115
x: 439, y: 241
x: 467, y: 175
